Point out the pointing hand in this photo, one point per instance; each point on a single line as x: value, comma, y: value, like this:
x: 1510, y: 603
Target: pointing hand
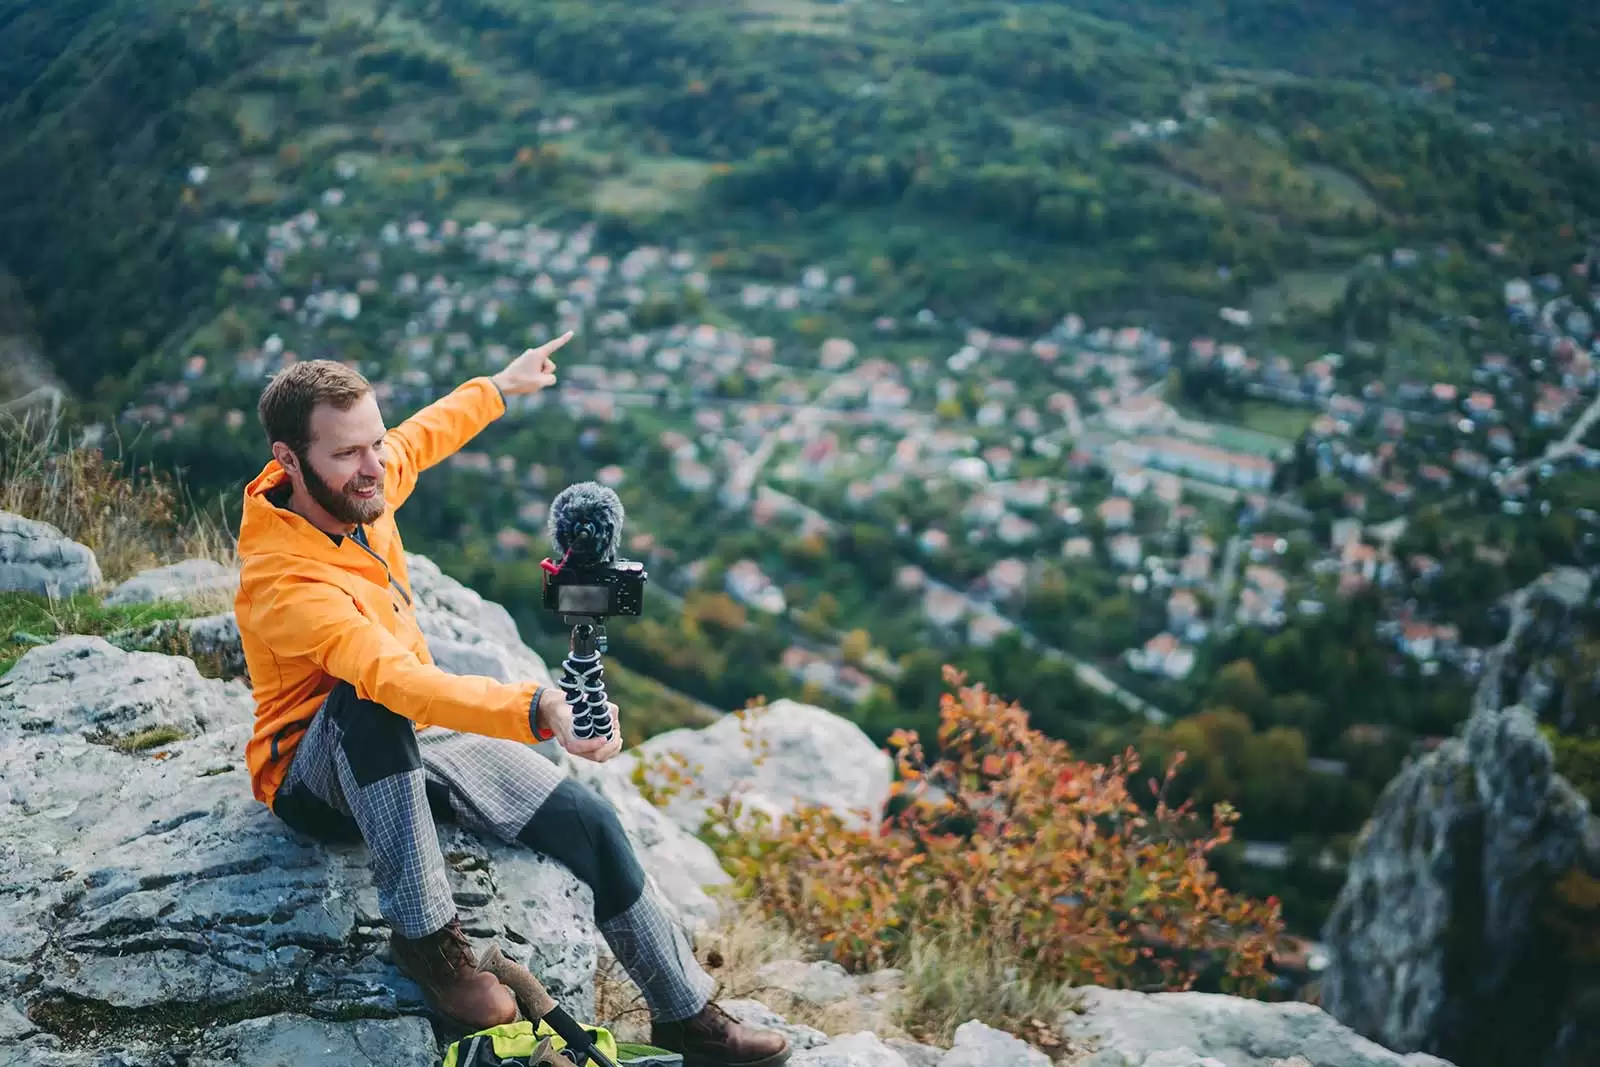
x: 533, y: 370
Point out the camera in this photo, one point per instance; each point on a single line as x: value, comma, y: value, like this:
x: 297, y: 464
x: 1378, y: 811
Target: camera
x: 587, y: 585
x: 605, y: 589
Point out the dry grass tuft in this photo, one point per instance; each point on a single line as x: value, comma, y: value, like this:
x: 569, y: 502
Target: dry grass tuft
x: 131, y: 523
x: 950, y: 981
x: 945, y: 984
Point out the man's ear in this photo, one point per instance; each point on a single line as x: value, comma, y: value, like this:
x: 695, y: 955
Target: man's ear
x: 285, y: 457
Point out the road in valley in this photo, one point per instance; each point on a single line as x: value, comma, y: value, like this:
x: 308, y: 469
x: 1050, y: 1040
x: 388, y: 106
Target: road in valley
x: 1229, y: 575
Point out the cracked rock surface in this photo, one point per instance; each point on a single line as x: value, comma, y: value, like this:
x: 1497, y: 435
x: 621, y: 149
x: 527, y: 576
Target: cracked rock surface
x: 145, y: 891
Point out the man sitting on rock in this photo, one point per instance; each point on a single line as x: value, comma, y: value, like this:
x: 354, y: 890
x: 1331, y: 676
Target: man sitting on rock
x: 359, y: 736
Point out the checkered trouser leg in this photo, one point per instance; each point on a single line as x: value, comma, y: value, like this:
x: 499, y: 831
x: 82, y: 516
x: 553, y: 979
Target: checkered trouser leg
x: 499, y: 789
x: 509, y: 791
x: 391, y: 810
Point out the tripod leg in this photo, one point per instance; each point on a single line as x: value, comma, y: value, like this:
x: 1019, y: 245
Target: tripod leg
x: 583, y: 680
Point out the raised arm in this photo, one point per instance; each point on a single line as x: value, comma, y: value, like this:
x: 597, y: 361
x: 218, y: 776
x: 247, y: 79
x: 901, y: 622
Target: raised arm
x: 437, y: 432
x: 444, y: 427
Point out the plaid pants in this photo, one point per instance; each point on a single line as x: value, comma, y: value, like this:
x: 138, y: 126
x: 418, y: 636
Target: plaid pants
x: 362, y: 772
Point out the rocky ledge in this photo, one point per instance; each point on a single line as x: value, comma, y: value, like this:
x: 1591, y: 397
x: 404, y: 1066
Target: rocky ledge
x: 157, y: 915
x: 1468, y: 922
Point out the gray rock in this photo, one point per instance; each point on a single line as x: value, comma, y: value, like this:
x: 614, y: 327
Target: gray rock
x: 296, y: 1040
x: 887, y: 980
x: 1130, y: 1029
x: 813, y: 757
x: 178, y: 581
x: 86, y: 686
x: 43, y: 1052
x: 755, y: 1013
x: 436, y: 592
x: 1434, y: 939
x: 138, y: 882
x: 35, y: 557
x: 979, y: 1045
x: 854, y: 1050
x: 545, y: 914
x: 915, y: 1054
x: 217, y: 638
x: 1182, y: 1057
x: 14, y: 1024
x: 821, y: 983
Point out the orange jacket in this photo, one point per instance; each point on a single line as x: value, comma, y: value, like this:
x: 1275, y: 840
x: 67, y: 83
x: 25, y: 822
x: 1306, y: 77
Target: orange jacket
x: 313, y: 613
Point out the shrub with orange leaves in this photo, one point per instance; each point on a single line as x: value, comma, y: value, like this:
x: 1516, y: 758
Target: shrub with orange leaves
x: 1001, y: 835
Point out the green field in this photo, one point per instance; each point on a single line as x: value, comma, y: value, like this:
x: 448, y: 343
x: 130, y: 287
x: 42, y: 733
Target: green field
x: 1275, y: 420
x: 1248, y: 438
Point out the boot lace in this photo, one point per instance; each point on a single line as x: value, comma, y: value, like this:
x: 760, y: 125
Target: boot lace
x: 454, y: 947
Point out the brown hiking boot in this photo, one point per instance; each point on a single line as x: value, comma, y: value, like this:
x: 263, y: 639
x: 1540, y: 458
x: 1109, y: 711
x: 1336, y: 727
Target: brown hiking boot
x: 444, y: 966
x: 713, y: 1038
x: 531, y: 995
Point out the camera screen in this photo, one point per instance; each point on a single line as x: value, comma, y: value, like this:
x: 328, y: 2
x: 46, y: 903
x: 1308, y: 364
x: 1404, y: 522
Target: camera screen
x: 584, y: 599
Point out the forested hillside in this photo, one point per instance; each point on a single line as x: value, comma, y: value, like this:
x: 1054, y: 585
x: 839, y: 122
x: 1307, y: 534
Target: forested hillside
x: 980, y: 152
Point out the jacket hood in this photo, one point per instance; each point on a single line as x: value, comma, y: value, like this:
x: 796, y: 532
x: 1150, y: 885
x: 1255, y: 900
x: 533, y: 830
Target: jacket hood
x: 268, y: 530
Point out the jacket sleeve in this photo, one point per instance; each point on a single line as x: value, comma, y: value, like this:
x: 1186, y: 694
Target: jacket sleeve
x: 314, y: 620
x: 437, y: 432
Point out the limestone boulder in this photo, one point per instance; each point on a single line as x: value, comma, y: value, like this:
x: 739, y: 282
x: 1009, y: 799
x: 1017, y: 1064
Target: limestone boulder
x: 185, y: 580
x: 782, y: 756
x: 144, y: 882
x: 37, y: 558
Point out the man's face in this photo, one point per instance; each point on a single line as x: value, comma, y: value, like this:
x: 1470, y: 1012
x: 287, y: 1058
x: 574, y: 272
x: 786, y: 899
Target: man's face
x: 342, y: 468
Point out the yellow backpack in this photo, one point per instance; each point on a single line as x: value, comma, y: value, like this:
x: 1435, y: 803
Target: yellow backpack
x: 524, y: 1044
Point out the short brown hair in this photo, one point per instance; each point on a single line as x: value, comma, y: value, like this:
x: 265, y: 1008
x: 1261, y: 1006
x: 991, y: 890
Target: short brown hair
x: 294, y: 392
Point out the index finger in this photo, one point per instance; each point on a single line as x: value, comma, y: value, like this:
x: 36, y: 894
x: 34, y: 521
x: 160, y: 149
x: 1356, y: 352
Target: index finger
x: 552, y: 346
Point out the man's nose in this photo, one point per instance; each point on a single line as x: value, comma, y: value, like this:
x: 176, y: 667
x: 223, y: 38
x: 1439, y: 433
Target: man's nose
x: 372, y: 465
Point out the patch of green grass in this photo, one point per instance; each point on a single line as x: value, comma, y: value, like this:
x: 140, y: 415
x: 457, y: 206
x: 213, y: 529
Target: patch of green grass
x: 1316, y: 291
x: 27, y: 620
x: 144, y: 740
x: 1240, y: 436
x: 1275, y: 420
x: 1251, y: 169
x: 257, y: 118
x: 796, y: 16
x: 1347, y: 192
x: 498, y: 212
x: 652, y: 185
x: 1574, y: 489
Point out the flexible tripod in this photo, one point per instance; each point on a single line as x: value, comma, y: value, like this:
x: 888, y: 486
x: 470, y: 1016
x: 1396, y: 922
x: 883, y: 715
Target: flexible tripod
x: 583, y: 678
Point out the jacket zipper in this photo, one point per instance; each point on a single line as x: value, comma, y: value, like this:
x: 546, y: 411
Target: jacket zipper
x: 386, y: 572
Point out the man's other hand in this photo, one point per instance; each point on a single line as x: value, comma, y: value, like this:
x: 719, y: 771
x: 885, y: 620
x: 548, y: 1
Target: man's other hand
x: 533, y: 370
x: 555, y: 715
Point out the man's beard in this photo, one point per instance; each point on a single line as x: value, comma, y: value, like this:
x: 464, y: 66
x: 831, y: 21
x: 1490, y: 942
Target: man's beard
x: 342, y: 504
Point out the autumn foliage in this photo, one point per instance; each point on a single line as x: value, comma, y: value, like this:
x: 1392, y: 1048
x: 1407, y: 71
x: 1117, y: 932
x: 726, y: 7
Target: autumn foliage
x: 1000, y: 834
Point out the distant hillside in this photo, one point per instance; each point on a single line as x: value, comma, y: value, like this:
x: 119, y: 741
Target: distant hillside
x: 90, y: 136
x: 976, y: 159
x: 1547, y: 45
